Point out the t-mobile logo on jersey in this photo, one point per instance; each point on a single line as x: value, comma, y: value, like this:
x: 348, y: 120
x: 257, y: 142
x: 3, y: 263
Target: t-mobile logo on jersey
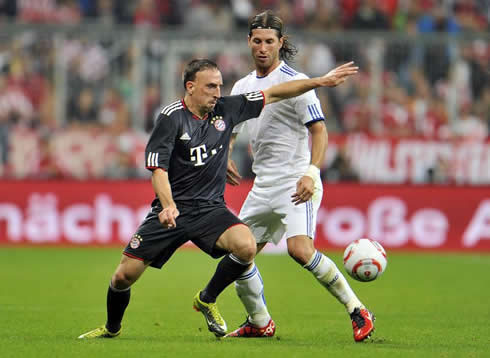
x: 201, y: 154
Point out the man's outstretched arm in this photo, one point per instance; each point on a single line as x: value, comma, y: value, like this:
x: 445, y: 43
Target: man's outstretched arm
x: 297, y: 87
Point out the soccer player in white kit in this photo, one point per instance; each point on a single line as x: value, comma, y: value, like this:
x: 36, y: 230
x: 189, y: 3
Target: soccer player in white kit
x: 287, y: 190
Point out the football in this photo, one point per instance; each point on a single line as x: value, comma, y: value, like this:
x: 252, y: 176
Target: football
x: 365, y: 260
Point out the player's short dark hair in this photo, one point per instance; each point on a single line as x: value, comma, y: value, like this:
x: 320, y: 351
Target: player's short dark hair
x: 195, y: 66
x: 269, y: 20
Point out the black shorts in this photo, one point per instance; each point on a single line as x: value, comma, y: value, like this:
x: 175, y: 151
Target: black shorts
x: 201, y: 224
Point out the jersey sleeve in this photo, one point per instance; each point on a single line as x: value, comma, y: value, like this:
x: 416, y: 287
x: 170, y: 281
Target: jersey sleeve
x: 161, y: 143
x: 235, y: 91
x: 308, y: 106
x: 246, y: 106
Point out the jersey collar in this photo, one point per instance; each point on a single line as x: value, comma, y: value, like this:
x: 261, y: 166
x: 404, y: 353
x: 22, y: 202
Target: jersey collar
x: 193, y: 115
x: 281, y: 63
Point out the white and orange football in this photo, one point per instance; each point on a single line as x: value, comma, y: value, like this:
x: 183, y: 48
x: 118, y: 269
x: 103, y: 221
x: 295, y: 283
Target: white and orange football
x: 365, y: 260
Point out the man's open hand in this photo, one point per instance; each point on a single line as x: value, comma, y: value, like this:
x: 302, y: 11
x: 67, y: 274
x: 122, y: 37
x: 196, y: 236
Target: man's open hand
x: 339, y: 74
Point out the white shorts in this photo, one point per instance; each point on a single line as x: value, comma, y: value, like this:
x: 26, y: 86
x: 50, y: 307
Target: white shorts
x: 270, y: 214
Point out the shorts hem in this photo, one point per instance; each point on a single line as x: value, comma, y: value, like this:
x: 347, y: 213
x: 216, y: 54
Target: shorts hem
x: 215, y: 252
x: 229, y: 227
x: 299, y: 234
x: 133, y: 256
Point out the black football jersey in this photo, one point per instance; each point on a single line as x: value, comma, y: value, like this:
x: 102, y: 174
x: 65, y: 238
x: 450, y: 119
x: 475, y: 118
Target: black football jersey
x: 194, y: 151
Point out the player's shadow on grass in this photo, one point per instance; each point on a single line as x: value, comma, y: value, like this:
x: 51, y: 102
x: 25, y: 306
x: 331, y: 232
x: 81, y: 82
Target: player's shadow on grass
x: 375, y: 340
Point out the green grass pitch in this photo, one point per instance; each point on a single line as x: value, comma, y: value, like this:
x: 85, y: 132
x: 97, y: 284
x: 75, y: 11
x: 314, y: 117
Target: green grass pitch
x: 427, y: 305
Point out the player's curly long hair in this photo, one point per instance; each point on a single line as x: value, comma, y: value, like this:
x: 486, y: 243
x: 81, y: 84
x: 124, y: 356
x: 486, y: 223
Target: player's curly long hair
x: 269, y: 20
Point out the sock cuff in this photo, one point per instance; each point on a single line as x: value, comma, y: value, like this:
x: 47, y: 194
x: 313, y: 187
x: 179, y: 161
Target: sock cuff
x: 249, y: 273
x: 117, y: 289
x: 239, y: 261
x: 314, y: 261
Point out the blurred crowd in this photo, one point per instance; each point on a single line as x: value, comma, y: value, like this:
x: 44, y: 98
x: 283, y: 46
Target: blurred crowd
x: 433, y: 15
x: 95, y: 100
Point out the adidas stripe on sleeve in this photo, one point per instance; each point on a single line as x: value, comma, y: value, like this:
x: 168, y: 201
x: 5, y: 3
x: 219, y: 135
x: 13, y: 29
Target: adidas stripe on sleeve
x: 309, y: 108
x: 162, y: 141
x: 315, y: 113
x: 152, y: 160
x: 168, y: 110
x: 255, y: 96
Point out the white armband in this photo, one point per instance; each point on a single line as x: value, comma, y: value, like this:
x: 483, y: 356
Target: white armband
x: 313, y: 172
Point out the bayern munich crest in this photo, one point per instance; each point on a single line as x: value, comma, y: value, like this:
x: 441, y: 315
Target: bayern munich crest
x: 220, y: 125
x: 135, y: 241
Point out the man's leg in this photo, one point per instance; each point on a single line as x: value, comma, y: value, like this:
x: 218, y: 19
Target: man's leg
x: 240, y: 243
x: 118, y: 295
x: 267, y: 225
x: 301, y: 249
x: 250, y: 289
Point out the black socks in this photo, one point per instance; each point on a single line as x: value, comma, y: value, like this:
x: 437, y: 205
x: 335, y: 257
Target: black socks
x: 117, y: 301
x: 228, y: 270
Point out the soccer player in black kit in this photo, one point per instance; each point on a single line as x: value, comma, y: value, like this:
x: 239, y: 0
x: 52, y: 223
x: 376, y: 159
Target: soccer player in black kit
x: 188, y: 154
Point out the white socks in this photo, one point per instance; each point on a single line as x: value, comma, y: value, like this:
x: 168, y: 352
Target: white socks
x: 250, y: 289
x: 327, y: 273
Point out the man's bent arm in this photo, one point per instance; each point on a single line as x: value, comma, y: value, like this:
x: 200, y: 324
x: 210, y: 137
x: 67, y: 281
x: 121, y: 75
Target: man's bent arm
x: 233, y: 177
x: 305, y: 187
x: 232, y: 143
x: 161, y: 185
x: 319, y: 142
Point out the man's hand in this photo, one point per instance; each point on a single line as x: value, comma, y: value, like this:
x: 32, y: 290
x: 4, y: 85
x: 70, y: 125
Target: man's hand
x: 339, y: 74
x: 305, y: 188
x: 167, y: 217
x: 233, y: 177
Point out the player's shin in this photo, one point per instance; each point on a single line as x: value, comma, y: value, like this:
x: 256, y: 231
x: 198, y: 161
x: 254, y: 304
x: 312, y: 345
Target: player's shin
x: 250, y: 288
x: 227, y: 271
x: 327, y: 273
x: 117, y: 301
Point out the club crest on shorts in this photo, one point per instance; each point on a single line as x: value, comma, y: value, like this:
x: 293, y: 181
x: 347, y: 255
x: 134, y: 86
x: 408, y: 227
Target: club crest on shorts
x: 135, y: 241
x: 219, y: 123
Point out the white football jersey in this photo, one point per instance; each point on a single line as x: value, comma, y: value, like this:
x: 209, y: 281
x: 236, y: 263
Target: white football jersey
x: 279, y: 136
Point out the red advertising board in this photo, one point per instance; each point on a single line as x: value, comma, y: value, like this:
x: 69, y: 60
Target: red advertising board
x: 447, y: 218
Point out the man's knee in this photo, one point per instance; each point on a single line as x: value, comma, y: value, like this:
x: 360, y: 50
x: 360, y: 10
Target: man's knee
x: 239, y: 241
x: 300, y: 248
x: 246, y: 249
x: 128, y: 271
x: 122, y: 280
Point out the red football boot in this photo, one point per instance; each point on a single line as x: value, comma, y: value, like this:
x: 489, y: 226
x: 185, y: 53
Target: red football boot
x: 248, y: 330
x: 362, y: 324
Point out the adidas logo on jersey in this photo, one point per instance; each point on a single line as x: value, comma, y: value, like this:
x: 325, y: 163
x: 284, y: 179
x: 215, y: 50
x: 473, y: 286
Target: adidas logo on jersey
x: 185, y: 136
